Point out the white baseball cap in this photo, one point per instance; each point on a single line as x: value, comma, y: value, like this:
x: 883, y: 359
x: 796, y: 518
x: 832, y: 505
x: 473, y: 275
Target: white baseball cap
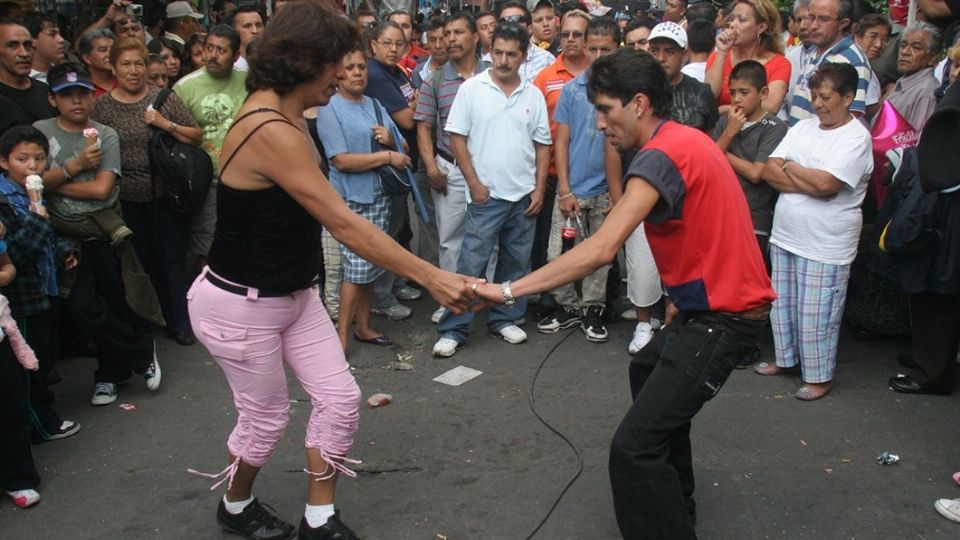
x: 178, y: 9
x: 669, y: 30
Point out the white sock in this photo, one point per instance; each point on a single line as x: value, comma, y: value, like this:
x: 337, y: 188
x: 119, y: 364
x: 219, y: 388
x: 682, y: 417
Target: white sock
x: 236, y: 507
x: 317, y: 514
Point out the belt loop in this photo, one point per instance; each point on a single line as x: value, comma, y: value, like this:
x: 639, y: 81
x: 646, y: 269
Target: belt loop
x: 253, y: 294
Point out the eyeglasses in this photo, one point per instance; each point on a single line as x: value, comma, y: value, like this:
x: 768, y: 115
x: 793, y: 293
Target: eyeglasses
x: 822, y: 19
x: 574, y: 35
x: 387, y: 44
x: 512, y: 19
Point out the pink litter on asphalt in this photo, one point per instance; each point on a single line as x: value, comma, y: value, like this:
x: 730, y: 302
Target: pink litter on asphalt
x: 956, y: 477
x: 379, y: 400
x: 129, y: 407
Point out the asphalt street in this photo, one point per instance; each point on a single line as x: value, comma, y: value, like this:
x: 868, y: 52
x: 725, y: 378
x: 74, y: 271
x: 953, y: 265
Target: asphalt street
x: 473, y: 462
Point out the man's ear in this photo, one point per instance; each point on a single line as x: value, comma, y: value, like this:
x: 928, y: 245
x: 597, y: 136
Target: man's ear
x: 51, y: 101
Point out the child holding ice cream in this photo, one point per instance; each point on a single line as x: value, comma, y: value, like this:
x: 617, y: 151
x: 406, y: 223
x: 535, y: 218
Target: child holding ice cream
x: 82, y: 180
x: 37, y: 252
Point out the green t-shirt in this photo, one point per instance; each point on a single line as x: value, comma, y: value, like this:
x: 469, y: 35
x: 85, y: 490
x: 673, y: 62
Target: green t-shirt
x: 214, y: 104
x: 66, y: 145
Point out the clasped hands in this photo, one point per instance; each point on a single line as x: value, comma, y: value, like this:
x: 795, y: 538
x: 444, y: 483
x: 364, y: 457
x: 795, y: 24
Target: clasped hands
x: 460, y: 293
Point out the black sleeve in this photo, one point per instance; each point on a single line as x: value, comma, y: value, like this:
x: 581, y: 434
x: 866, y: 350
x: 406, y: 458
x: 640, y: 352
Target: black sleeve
x: 954, y: 6
x: 659, y: 171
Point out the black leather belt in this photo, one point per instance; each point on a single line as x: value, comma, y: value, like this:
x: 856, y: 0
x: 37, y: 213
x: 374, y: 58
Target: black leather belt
x: 242, y: 291
x: 446, y: 156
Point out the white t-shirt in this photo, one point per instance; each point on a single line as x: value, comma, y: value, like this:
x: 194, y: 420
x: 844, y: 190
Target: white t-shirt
x: 501, y: 131
x: 697, y: 70
x: 824, y: 230
x: 241, y: 64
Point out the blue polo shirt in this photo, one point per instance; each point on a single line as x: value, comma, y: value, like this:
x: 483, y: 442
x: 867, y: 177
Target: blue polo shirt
x: 585, y: 155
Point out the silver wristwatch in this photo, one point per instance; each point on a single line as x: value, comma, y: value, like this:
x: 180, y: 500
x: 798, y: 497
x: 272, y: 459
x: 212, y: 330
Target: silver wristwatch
x: 508, y: 298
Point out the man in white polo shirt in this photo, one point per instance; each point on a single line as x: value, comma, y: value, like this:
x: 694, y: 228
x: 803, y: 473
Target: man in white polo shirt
x: 500, y: 138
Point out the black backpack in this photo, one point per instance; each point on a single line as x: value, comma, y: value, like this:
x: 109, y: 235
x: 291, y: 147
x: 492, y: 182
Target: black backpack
x: 186, y: 171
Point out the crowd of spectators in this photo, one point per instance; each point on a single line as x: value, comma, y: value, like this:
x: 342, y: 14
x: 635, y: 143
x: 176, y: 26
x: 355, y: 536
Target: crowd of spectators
x: 513, y: 174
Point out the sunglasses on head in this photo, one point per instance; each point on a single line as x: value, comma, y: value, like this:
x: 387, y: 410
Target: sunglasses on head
x: 512, y: 19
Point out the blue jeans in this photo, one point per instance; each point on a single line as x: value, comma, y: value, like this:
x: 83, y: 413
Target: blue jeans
x: 488, y: 224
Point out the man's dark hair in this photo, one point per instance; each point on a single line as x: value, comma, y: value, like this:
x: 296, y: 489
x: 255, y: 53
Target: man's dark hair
x: 243, y: 8
x: 484, y: 14
x: 22, y: 134
x: 9, y: 9
x: 36, y: 24
x: 398, y: 12
x: 639, y: 22
x: 604, y: 26
x: 435, y: 23
x: 750, y: 71
x: 224, y: 31
x: 843, y: 77
x: 85, y: 43
x: 512, y: 32
x: 845, y: 10
x: 567, y: 5
x: 465, y: 17
x: 626, y: 73
x: 302, y: 40
x: 527, y: 18
x: 701, y: 36
x: 701, y: 11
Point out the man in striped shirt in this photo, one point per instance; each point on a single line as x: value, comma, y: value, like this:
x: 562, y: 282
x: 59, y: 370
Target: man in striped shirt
x: 829, y: 22
x: 447, y: 185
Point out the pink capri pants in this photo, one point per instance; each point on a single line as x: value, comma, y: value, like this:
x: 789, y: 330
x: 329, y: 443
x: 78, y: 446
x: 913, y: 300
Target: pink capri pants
x: 251, y: 338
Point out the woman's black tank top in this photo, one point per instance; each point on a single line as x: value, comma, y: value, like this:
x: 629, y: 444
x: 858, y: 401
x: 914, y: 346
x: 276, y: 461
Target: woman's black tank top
x: 264, y: 238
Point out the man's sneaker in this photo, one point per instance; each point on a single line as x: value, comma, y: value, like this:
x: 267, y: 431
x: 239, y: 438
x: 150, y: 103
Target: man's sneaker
x: 511, y: 334
x: 104, y: 393
x: 750, y: 359
x: 592, y: 325
x: 407, y: 293
x: 24, y: 498
x: 66, y: 429
x: 255, y: 522
x: 559, y: 319
x: 438, y: 314
x: 629, y: 314
x: 949, y: 508
x: 446, y: 347
x: 152, y: 374
x: 396, y: 312
x: 333, y: 529
x: 641, y: 336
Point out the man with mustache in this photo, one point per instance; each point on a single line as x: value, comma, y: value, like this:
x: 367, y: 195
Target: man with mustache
x: 213, y: 94
x: 501, y: 141
x: 27, y: 97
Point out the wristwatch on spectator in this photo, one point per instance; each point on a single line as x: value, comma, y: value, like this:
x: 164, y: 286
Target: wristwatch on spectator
x: 508, y: 299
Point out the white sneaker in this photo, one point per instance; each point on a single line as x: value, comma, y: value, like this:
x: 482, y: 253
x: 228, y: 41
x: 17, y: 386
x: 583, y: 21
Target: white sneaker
x: 104, y: 393
x: 446, y: 347
x: 629, y: 314
x: 511, y: 334
x: 641, y: 336
x: 438, y: 314
x: 949, y: 508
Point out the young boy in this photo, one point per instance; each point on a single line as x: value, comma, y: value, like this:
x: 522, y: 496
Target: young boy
x: 35, y: 249
x: 83, y: 168
x: 748, y: 135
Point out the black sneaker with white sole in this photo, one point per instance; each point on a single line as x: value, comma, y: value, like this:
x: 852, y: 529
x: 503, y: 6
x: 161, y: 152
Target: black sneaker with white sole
x: 257, y: 522
x: 559, y: 319
x: 592, y: 325
x: 333, y: 529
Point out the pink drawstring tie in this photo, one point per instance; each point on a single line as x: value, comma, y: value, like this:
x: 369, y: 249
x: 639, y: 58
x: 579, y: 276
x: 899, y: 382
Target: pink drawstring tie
x: 227, y: 474
x: 335, y: 464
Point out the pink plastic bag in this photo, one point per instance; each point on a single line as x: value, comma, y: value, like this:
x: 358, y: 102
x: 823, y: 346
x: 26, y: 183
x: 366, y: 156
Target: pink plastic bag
x: 890, y: 131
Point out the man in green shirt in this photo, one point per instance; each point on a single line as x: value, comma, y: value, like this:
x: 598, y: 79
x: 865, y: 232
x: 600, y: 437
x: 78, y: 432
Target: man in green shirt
x: 214, y: 95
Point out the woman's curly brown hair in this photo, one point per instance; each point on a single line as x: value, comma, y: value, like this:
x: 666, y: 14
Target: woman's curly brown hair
x: 302, y: 39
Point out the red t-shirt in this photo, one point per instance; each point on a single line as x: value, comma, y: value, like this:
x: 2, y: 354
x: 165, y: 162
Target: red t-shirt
x: 700, y: 231
x: 416, y: 55
x: 777, y: 68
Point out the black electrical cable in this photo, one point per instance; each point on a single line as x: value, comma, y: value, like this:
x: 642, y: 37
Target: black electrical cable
x: 533, y: 409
